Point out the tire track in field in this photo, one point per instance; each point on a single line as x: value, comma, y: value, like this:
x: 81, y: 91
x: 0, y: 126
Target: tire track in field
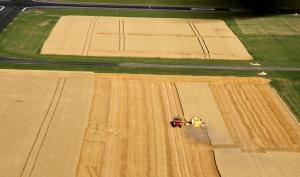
x: 199, y: 40
x: 203, y: 41
x: 178, y: 108
x: 165, y: 126
x: 42, y: 133
x: 64, y: 40
x: 196, y: 150
x: 91, y: 36
x: 166, y: 114
x: 180, y: 139
x: 123, y: 35
x: 193, y: 148
x: 119, y: 34
x: 88, y: 37
x: 172, y: 134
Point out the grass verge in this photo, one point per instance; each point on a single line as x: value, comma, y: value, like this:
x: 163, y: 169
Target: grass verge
x: 288, y: 87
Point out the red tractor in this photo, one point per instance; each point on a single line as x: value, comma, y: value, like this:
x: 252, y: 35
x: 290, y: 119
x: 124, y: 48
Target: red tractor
x: 179, y: 120
x: 176, y: 122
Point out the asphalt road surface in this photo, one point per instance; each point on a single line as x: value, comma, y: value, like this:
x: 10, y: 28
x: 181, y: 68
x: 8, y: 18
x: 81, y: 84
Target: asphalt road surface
x: 8, y: 60
x: 7, y: 14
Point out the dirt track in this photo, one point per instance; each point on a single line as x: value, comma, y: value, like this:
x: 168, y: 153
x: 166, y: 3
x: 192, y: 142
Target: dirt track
x: 144, y: 37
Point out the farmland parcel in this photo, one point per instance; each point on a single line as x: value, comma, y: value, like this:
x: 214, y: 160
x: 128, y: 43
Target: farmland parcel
x: 84, y: 124
x: 144, y: 37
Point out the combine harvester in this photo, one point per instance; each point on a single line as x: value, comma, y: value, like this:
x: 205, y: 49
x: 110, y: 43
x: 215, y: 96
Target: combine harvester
x: 179, y: 120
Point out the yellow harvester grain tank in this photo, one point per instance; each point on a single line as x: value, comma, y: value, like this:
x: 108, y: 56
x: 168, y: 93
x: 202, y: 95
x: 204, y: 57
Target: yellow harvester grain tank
x: 196, y: 121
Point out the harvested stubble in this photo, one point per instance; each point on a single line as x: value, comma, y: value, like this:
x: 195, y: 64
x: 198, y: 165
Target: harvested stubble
x: 197, y: 100
x: 129, y: 133
x: 144, y: 37
x: 129, y: 127
x: 235, y: 163
x: 42, y: 121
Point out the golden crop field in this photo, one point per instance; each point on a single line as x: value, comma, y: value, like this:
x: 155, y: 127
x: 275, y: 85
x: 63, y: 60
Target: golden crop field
x: 144, y: 37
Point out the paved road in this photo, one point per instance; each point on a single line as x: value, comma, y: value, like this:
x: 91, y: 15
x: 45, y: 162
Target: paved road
x: 233, y: 68
x: 8, y: 60
x: 7, y: 14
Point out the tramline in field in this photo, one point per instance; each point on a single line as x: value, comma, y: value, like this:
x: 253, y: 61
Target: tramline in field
x: 144, y: 37
x: 122, y: 121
